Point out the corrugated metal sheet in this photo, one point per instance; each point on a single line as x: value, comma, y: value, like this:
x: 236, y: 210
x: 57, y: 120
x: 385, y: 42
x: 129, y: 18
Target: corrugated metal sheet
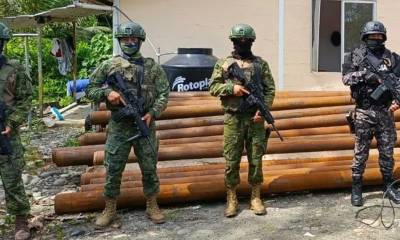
x: 62, y: 14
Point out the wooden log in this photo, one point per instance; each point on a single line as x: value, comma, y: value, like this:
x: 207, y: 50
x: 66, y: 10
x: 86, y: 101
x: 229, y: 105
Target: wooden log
x: 167, y: 173
x: 173, y: 112
x: 100, y: 172
x: 135, y: 182
x: 214, y: 189
x: 212, y: 150
x: 130, y: 176
x: 82, y: 155
x: 214, y: 133
x: 103, y: 117
x: 279, y: 94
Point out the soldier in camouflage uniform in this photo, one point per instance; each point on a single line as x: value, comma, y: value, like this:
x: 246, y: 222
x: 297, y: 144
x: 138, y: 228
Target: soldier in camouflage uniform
x: 16, y: 94
x: 243, y: 127
x: 372, y: 117
x: 145, y: 78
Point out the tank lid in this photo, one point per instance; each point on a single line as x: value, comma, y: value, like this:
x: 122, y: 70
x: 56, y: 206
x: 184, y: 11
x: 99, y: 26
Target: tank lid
x: 207, y: 51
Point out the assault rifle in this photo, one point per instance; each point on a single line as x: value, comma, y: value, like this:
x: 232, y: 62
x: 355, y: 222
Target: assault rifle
x: 254, y: 98
x: 5, y: 145
x: 133, y: 109
x: 389, y: 79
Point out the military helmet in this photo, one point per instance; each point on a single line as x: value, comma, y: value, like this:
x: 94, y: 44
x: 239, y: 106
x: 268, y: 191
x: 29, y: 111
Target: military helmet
x: 130, y: 29
x: 373, y: 27
x: 242, y: 31
x: 4, y: 32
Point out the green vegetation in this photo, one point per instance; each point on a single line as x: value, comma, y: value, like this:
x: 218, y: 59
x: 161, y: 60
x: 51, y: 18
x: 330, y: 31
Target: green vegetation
x: 93, y: 46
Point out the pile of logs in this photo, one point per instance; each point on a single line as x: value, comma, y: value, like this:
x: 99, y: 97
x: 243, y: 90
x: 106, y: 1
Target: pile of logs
x: 308, y: 122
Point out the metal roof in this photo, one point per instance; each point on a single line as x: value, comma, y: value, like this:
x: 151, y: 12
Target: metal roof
x: 106, y: 2
x: 63, y: 14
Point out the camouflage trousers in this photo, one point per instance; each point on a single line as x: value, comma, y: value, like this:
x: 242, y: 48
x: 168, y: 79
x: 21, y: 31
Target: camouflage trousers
x: 369, y: 123
x: 117, y: 152
x: 240, y: 131
x: 11, y: 168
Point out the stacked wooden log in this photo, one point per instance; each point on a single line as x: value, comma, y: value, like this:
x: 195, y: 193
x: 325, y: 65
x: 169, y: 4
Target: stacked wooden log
x: 205, y: 183
x: 308, y: 121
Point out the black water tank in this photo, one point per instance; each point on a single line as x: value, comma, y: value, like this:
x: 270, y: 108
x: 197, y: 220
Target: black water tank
x: 190, y: 69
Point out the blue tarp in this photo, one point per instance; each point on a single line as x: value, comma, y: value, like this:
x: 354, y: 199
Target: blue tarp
x: 81, y: 85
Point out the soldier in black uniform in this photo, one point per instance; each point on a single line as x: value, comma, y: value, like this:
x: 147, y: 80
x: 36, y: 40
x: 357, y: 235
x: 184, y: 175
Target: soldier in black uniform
x: 372, y: 117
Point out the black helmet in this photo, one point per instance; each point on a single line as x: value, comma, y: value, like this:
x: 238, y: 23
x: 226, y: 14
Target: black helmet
x: 373, y: 27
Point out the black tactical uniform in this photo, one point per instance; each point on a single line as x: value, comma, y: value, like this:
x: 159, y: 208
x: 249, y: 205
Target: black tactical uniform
x: 372, y: 116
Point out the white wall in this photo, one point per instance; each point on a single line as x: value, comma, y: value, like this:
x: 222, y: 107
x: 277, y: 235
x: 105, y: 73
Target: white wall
x: 192, y: 23
x: 388, y: 13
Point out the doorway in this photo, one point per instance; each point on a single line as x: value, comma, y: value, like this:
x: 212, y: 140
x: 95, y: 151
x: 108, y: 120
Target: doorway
x: 332, y: 18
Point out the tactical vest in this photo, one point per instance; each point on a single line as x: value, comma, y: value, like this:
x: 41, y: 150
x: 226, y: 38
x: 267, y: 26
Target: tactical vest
x: 362, y: 91
x: 252, y: 71
x: 5, y: 72
x: 139, y: 82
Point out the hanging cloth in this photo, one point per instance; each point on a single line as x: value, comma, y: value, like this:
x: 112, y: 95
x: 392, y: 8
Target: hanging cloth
x: 63, y: 53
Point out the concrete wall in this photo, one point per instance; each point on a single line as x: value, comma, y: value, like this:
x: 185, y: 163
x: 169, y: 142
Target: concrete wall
x: 388, y: 13
x: 193, y: 23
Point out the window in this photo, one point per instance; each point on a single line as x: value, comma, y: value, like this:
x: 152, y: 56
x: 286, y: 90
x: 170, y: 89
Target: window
x: 336, y: 30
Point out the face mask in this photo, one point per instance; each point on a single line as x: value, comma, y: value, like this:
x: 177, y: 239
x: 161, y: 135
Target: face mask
x: 375, y: 45
x: 243, y: 48
x: 130, y: 48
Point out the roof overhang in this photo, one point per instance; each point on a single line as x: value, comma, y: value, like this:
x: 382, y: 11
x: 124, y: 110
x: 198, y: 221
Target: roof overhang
x: 105, y: 2
x: 63, y: 14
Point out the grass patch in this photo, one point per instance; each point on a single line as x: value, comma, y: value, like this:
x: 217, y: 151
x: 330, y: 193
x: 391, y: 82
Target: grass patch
x: 71, y: 142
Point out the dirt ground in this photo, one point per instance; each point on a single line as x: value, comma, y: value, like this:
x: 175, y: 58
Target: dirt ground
x: 322, y: 215
x: 305, y: 215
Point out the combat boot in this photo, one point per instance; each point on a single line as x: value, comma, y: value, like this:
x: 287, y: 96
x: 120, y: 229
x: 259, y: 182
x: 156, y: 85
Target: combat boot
x: 21, y: 228
x: 256, y: 204
x: 109, y: 213
x: 231, y: 202
x: 153, y: 211
x: 356, y: 192
x: 391, y: 192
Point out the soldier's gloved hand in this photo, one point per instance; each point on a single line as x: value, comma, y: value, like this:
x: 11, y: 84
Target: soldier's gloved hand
x: 147, y: 118
x: 239, y: 90
x: 7, y: 132
x: 114, y: 98
x: 394, y: 106
x: 371, y: 78
x: 257, y: 117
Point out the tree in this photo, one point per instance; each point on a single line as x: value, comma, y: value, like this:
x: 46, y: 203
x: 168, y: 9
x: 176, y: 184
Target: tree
x: 17, y: 7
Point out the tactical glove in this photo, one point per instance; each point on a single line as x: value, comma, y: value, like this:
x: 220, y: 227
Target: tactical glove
x: 371, y: 78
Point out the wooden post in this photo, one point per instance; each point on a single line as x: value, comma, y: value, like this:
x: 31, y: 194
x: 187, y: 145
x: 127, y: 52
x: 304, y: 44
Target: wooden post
x: 26, y: 54
x: 28, y: 72
x: 40, y: 70
x: 74, y: 59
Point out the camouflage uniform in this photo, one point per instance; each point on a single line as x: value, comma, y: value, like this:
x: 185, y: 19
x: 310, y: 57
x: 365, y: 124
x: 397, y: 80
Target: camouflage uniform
x: 372, y: 116
x: 155, y: 91
x: 16, y: 91
x: 239, y: 129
